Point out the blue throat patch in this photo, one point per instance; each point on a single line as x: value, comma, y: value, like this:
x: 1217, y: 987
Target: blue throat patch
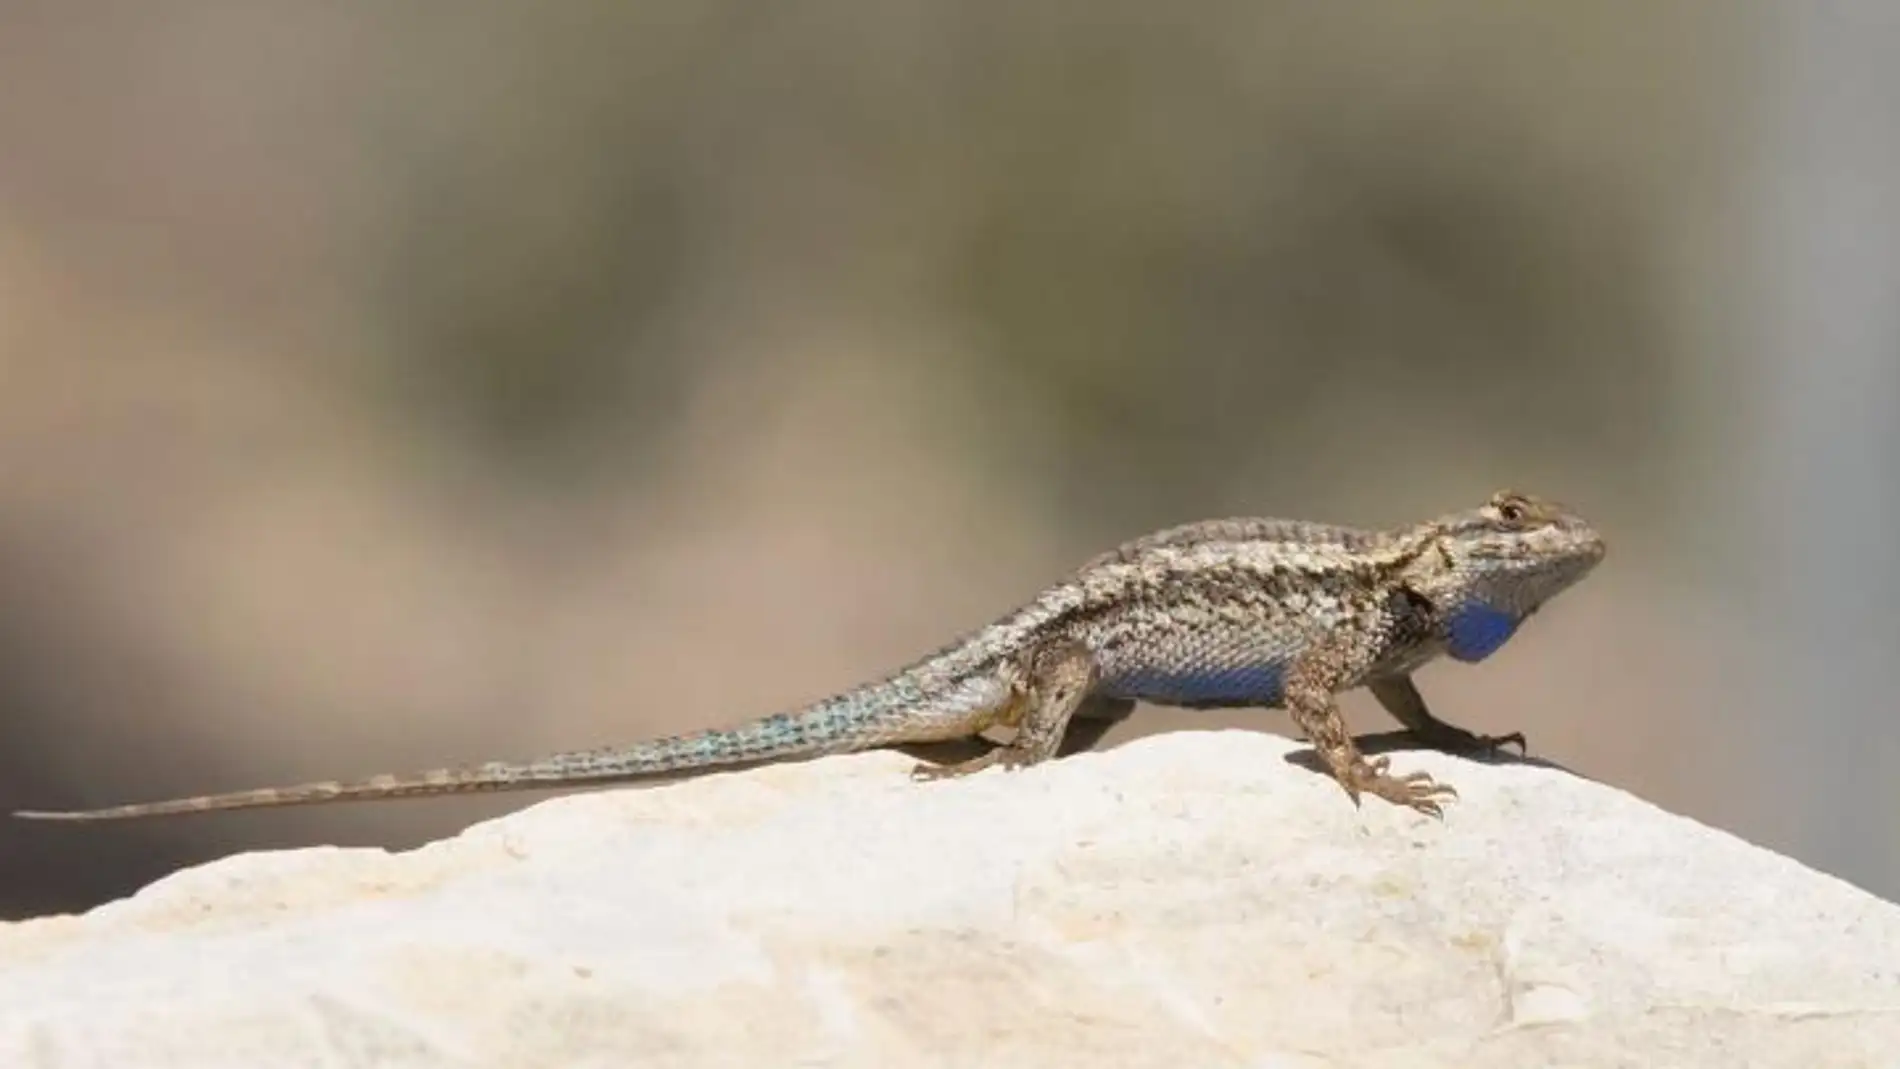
x: 1477, y: 631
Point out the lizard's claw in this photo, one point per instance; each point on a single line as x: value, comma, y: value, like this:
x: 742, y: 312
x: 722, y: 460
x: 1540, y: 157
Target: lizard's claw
x: 927, y: 773
x: 1490, y: 744
x: 1416, y: 789
x: 1009, y: 758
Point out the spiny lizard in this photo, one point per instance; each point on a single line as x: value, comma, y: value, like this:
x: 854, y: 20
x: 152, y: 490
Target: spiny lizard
x: 1217, y: 614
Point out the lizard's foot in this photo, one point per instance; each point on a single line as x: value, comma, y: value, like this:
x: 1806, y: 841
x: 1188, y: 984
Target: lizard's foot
x: 1490, y: 744
x: 1467, y: 742
x: 1009, y: 757
x: 1401, y: 698
x: 927, y: 773
x: 1417, y: 789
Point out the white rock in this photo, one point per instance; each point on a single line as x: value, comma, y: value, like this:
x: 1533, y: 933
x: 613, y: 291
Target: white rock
x: 1186, y: 900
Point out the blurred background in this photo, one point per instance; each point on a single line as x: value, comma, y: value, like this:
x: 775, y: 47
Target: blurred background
x: 385, y: 386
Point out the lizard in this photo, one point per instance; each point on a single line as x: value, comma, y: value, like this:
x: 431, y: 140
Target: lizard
x: 1225, y: 613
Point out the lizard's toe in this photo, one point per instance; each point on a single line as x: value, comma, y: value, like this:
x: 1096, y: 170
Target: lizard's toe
x: 1491, y: 744
x: 1417, y: 790
x: 924, y: 773
x: 1486, y: 745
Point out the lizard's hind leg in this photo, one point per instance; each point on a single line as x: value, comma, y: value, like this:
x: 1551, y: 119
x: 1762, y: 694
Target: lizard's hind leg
x: 1094, y: 718
x: 1059, y: 676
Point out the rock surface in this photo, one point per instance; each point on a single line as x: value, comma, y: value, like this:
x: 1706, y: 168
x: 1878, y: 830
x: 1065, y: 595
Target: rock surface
x: 1192, y: 899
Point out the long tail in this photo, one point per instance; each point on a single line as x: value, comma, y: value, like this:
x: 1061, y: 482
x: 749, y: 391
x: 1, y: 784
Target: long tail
x: 869, y: 716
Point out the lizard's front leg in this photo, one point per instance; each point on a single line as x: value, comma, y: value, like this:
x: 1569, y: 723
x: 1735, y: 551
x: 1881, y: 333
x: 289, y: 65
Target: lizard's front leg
x: 1057, y: 677
x: 1400, y: 697
x: 1313, y: 681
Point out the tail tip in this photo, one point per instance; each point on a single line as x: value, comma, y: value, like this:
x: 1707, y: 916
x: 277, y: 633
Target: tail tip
x: 54, y: 814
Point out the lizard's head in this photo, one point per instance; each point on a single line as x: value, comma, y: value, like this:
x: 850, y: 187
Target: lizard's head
x: 1499, y: 563
x: 1516, y: 551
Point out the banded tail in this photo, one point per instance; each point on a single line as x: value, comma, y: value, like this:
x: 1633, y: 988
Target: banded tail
x: 855, y: 720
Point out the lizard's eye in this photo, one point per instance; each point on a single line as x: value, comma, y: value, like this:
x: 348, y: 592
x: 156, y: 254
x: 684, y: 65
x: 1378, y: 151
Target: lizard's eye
x: 1513, y: 510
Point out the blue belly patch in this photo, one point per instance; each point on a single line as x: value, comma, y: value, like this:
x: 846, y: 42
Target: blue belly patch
x: 1476, y: 631
x: 1232, y: 685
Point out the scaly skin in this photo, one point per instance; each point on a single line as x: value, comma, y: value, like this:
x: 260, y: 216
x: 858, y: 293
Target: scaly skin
x: 1217, y: 614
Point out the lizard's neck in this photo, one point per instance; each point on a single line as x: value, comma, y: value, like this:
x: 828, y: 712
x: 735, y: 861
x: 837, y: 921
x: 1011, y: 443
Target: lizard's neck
x: 1412, y: 554
x: 1472, y: 620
